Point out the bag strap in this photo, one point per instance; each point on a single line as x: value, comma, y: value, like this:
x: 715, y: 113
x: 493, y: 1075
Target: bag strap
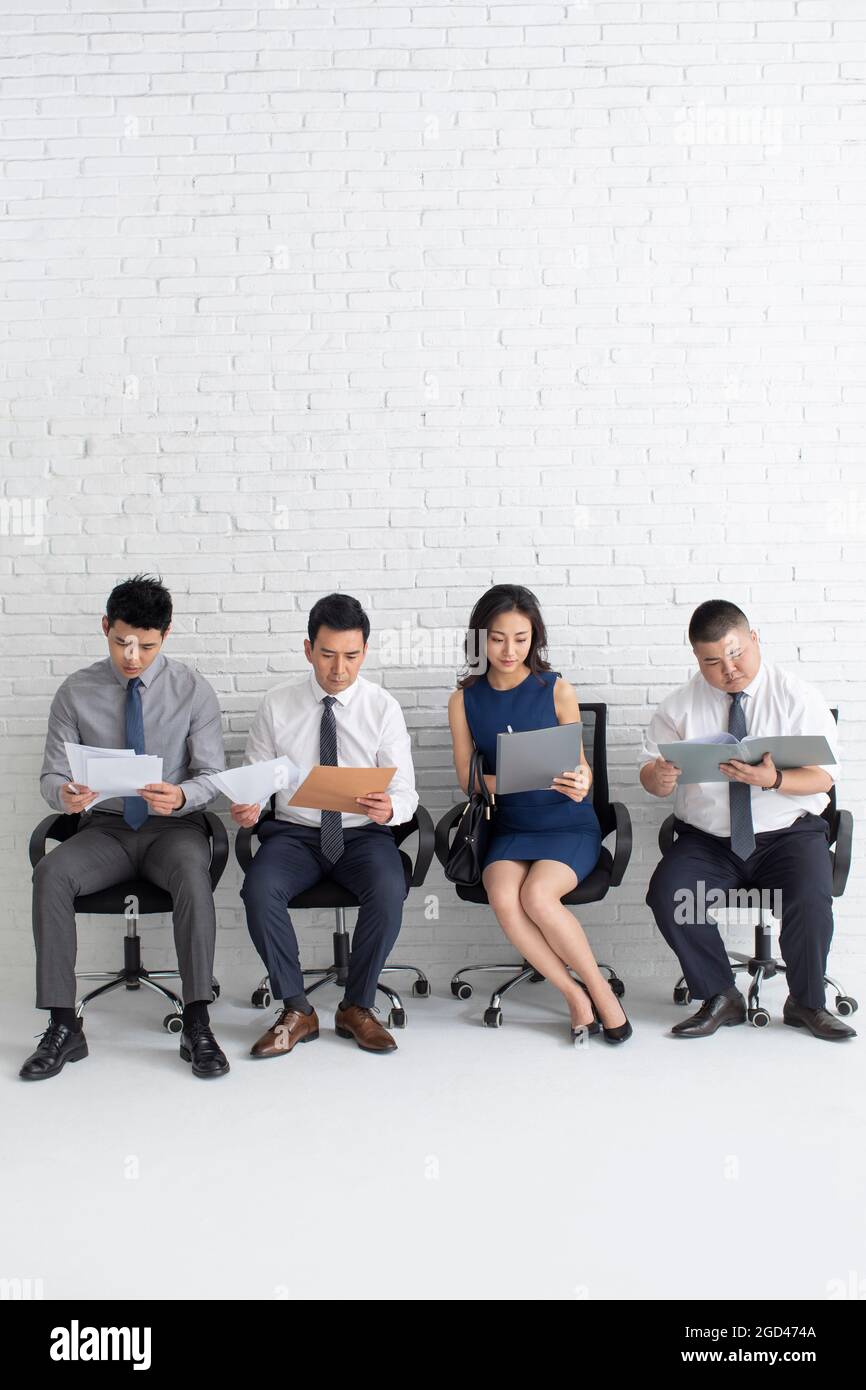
x: 476, y: 782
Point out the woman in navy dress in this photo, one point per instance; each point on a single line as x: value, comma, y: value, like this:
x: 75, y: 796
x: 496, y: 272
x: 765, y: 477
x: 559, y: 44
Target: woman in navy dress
x: 543, y: 843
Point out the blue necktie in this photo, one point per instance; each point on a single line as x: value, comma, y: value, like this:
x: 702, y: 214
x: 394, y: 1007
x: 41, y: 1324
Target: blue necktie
x: 331, y: 833
x: 135, y: 808
x: 740, y: 793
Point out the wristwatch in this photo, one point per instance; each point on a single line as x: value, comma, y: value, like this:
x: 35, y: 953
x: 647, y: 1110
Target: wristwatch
x: 778, y: 782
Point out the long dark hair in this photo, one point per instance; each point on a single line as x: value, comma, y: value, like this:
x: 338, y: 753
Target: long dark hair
x: 504, y: 598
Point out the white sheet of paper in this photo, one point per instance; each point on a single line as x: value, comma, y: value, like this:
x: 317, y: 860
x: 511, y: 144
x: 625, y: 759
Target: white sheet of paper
x: 253, y: 782
x: 123, y: 776
x: 77, y: 755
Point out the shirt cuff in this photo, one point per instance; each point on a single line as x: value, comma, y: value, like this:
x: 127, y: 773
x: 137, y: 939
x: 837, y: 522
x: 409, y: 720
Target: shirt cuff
x: 403, y: 805
x: 199, y: 792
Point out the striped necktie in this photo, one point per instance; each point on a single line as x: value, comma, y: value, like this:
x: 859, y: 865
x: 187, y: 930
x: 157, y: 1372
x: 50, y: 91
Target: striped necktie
x: 135, y: 808
x: 740, y: 793
x: 331, y: 833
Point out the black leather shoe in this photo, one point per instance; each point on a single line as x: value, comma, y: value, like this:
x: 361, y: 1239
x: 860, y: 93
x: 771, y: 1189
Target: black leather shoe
x: 620, y: 1033
x: 57, y: 1046
x: 199, y: 1046
x: 820, y: 1022
x: 717, y: 1012
x: 617, y: 1034
x: 591, y: 1028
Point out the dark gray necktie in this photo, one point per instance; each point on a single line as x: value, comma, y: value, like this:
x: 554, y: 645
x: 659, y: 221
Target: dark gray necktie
x: 740, y: 793
x: 331, y: 833
x: 135, y: 808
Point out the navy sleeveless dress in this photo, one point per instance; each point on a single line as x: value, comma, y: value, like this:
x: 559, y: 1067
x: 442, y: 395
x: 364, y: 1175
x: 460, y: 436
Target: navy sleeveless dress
x: 530, y: 825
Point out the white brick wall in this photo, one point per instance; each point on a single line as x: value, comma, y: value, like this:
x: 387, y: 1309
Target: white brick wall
x: 409, y: 299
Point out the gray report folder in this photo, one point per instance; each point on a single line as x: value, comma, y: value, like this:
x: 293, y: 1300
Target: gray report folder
x: 699, y: 758
x: 529, y: 761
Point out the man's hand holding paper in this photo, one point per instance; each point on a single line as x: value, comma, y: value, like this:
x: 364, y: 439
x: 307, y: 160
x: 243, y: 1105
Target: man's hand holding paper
x: 345, y: 789
x: 250, y: 787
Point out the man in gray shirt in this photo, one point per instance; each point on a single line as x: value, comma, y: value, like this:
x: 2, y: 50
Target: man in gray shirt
x: 135, y: 698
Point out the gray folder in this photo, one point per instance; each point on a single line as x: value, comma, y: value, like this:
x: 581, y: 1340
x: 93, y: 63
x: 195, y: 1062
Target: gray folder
x: 700, y: 758
x: 529, y: 761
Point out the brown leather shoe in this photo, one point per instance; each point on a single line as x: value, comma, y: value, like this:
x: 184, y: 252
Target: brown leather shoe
x: 291, y: 1027
x: 365, y: 1028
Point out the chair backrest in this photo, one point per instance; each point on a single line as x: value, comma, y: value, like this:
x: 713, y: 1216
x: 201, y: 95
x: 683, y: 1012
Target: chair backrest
x: 829, y: 811
x: 594, y: 720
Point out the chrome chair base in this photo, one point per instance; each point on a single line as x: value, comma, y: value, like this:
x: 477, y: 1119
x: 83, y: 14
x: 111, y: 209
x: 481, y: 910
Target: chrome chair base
x: 338, y: 972
x: 262, y: 997
x: 762, y: 965
x: 133, y: 976
x: 761, y: 970
x: 462, y: 989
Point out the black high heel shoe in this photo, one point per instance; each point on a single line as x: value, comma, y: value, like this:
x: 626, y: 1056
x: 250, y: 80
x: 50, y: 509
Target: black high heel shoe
x: 591, y: 1028
x: 619, y: 1034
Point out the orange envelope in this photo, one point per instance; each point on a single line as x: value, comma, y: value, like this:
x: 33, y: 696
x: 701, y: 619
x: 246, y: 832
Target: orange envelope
x: 335, y: 788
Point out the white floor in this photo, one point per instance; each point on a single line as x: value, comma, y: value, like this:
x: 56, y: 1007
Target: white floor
x: 473, y: 1163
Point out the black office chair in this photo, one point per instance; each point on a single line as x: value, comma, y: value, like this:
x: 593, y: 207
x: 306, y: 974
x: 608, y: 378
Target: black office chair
x: 115, y: 900
x: 608, y: 872
x: 328, y: 893
x: 762, y: 965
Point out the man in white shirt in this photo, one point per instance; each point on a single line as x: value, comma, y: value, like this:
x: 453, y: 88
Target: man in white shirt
x: 762, y: 829
x: 335, y: 717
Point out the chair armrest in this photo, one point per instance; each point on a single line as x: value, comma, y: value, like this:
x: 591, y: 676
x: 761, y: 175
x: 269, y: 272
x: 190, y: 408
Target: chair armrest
x: 422, y: 822
x: 244, y: 839
x: 622, y: 850
x: 841, y: 856
x: 443, y: 831
x: 219, y: 847
x: 666, y: 834
x: 57, y: 826
x: 244, y: 845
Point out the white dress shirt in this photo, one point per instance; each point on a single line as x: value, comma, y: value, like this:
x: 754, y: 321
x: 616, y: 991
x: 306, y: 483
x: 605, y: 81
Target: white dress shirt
x: 776, y: 703
x: 371, y: 732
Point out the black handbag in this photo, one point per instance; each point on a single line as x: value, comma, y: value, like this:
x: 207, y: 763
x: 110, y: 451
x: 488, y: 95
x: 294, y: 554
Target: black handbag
x: 466, y: 853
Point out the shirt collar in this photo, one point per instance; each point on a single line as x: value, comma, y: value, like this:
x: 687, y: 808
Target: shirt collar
x: 756, y: 682
x: 146, y: 676
x: 344, y: 696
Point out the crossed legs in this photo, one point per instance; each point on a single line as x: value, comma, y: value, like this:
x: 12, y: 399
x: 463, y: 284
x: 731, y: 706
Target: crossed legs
x: 526, y: 899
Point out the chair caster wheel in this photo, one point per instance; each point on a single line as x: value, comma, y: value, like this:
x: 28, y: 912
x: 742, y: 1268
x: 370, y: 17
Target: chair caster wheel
x: 759, y: 1018
x: 461, y: 990
x: 421, y: 989
x: 261, y: 999
x: 215, y: 989
x: 617, y: 986
x: 535, y: 978
x: 397, y: 1018
x: 133, y: 984
x: 681, y: 995
x: 173, y: 1023
x: 492, y: 1018
x: 845, y: 1005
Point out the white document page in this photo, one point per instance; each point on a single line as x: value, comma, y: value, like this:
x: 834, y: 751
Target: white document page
x: 77, y: 755
x: 253, y: 782
x: 123, y: 776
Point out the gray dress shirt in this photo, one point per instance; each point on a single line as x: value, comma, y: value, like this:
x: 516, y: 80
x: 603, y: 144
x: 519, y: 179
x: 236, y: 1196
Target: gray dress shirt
x: 181, y: 724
